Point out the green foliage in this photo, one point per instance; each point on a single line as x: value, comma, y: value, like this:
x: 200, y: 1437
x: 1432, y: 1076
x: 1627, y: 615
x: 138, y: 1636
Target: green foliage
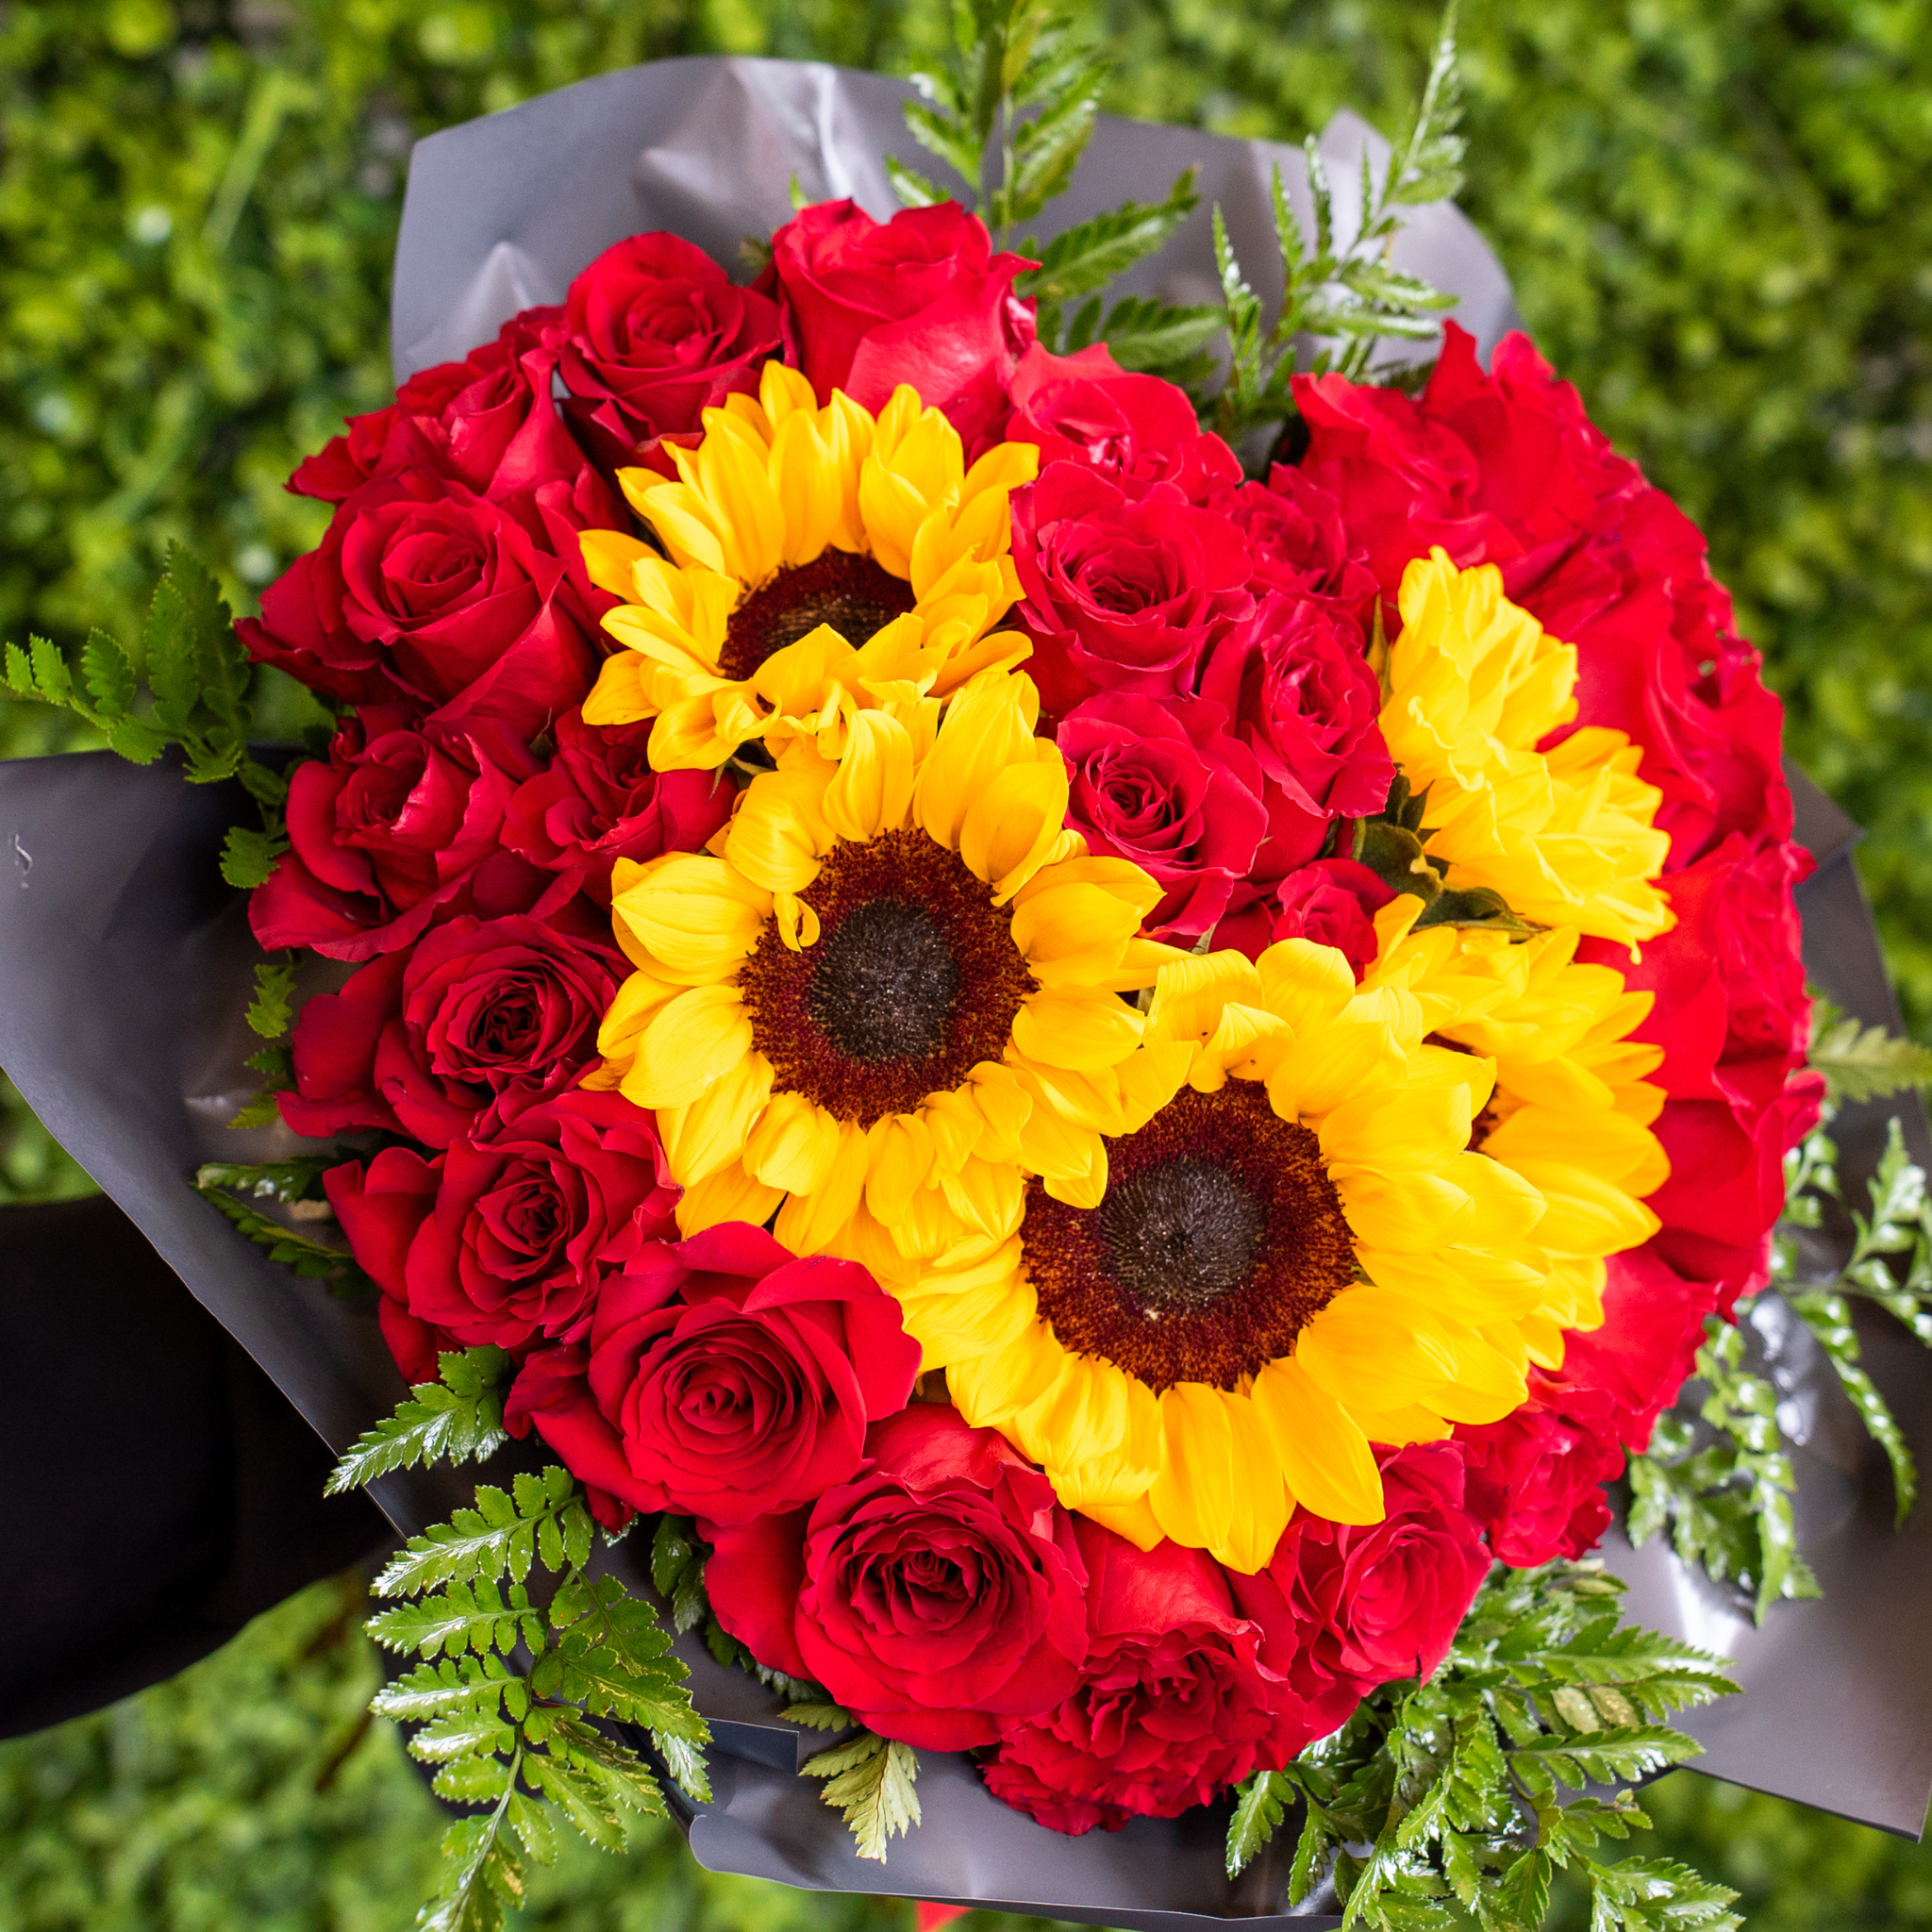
x: 456, y: 1418
x: 1446, y: 1799
x: 1345, y: 297
x: 1726, y: 1495
x: 1009, y: 111
x: 288, y: 1181
x: 871, y: 1786
x: 523, y: 1742
x: 1863, y: 1062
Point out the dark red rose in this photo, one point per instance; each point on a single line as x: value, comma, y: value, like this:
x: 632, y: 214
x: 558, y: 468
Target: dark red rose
x: 1348, y: 1607
x: 599, y: 801
x: 421, y: 1041
x: 489, y: 421
x: 396, y: 828
x: 937, y: 1593
x: 1536, y: 1478
x: 380, y: 1207
x: 920, y: 299
x: 657, y: 334
x: 1136, y: 428
x: 1300, y: 546
x: 1173, y: 1705
x: 1507, y: 469
x: 1165, y: 786
x: 1733, y: 1019
x: 1122, y: 592
x: 527, y: 1222
x: 723, y: 1378
x: 1332, y: 902
x: 425, y: 593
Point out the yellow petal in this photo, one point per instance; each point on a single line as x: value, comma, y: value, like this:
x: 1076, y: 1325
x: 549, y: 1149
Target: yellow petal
x: 694, y: 917
x: 793, y: 1145
x: 1013, y: 824
x: 1325, y: 1456
x: 872, y: 789
x: 778, y: 833
x: 710, y: 1132
x: 1071, y: 1027
x: 730, y: 1194
x: 697, y: 1039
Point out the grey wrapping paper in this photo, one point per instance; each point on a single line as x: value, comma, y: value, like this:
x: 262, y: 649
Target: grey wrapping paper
x: 502, y: 211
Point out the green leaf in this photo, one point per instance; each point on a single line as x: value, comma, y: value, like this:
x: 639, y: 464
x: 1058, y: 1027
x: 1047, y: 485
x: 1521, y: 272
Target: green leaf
x: 1652, y: 1894
x: 1155, y: 338
x: 107, y: 674
x: 274, y: 983
x: 1090, y: 255
x: 1863, y: 1062
x: 310, y: 1259
x: 1830, y: 1320
x: 497, y: 1537
x: 482, y: 1872
x: 871, y: 1786
x: 819, y: 1717
x: 464, y: 1617
x: 459, y: 1419
x: 438, y: 1690
x: 1259, y: 1805
x: 248, y: 855
x: 914, y: 189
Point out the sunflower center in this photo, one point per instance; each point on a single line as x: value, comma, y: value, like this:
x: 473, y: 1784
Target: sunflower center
x: 1220, y: 1237
x: 914, y: 981
x: 886, y: 983
x: 1182, y: 1235
x: 851, y: 592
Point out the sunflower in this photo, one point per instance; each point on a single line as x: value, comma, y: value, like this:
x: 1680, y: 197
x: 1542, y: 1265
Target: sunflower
x: 1293, y: 1254
x: 892, y: 982
x: 1572, y: 1110
x: 813, y: 558
x: 1564, y: 835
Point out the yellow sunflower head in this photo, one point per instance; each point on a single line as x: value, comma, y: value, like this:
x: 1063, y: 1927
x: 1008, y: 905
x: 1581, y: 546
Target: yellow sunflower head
x: 813, y: 558
x: 1566, y: 836
x: 1294, y: 1253
x: 892, y: 981
x: 1572, y: 1110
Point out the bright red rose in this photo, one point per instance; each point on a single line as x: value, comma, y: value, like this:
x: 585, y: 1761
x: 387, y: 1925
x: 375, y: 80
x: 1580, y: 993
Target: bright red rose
x: 427, y: 594
x: 1122, y: 592
x: 421, y: 1041
x: 1165, y: 786
x: 723, y: 1378
x: 1348, y: 1607
x: 1332, y: 902
x: 936, y: 1595
x: 1300, y: 545
x: 599, y: 801
x: 1507, y: 469
x: 1733, y: 1019
x: 489, y: 421
x: 1536, y: 1478
x: 1138, y: 430
x: 398, y: 827
x: 381, y: 1205
x: 920, y: 299
x: 1300, y: 692
x: 526, y: 1224
x: 656, y: 335
x: 1175, y: 1704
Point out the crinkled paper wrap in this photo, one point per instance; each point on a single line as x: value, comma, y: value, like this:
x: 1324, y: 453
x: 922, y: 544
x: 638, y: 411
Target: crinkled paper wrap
x: 128, y: 969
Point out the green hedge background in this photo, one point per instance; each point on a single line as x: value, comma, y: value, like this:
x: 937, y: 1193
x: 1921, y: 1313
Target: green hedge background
x: 1715, y: 216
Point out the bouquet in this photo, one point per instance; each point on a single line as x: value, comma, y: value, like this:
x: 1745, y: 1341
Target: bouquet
x: 1090, y: 1014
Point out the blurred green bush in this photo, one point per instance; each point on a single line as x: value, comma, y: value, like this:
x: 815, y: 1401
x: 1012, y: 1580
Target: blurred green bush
x: 1715, y: 216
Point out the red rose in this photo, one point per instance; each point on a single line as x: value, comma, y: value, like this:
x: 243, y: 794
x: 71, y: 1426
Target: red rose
x: 724, y: 1377
x: 1536, y: 1478
x: 1165, y: 786
x: 1173, y: 1705
x: 421, y: 1041
x: 489, y: 421
x: 656, y: 335
x: 1332, y: 902
x: 396, y: 828
x: 1300, y: 546
x: 599, y: 801
x: 1136, y: 428
x: 1348, y: 1607
x: 510, y: 1236
x: 1733, y: 1019
x: 426, y: 592
x: 937, y: 1593
x: 1507, y: 469
x: 920, y: 299
x: 1122, y: 594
